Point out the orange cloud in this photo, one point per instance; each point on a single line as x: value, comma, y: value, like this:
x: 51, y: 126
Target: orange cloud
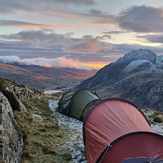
x: 95, y: 65
x: 43, y: 26
x: 90, y: 46
x: 68, y: 62
x: 31, y: 26
x: 80, y: 26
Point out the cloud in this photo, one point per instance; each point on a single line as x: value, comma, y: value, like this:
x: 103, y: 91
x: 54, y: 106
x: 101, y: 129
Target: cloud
x: 134, y: 19
x: 31, y: 26
x: 101, y: 17
x: 157, y: 38
x: 9, y: 59
x: 23, y: 5
x: 115, y: 32
x: 63, y: 42
x: 142, y: 19
x: 50, y: 11
x: 96, y: 12
x: 47, y: 44
x: 137, y: 18
x: 84, y: 2
x: 41, y: 61
x: 53, y: 62
x: 44, y: 47
x: 47, y: 47
x: 41, y: 38
x: 89, y: 46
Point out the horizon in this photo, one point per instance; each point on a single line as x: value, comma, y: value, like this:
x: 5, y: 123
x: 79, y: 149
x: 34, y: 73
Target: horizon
x: 87, y: 34
x: 18, y: 62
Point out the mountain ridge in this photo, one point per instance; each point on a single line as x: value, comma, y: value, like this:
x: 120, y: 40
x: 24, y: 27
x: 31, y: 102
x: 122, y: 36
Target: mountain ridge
x: 43, y: 77
x: 137, y: 77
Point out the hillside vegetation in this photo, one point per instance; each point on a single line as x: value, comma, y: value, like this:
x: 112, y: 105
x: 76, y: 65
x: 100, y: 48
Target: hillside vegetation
x: 43, y: 138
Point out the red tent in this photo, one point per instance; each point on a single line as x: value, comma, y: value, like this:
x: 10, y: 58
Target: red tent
x: 116, y: 132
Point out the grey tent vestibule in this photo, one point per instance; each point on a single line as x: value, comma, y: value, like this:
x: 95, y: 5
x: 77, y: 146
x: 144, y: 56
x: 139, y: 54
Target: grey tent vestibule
x: 76, y: 108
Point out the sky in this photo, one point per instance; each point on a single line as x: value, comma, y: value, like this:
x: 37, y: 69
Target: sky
x: 78, y: 33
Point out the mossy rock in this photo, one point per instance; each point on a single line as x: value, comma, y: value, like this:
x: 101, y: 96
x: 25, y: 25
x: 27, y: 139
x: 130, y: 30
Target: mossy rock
x: 3, y: 84
x: 67, y: 156
x: 156, y: 117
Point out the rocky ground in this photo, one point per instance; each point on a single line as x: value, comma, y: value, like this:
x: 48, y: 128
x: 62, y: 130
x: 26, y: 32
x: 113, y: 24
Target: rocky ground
x: 156, y: 120
x: 55, y: 138
x: 43, y: 138
x: 49, y: 136
x: 73, y: 129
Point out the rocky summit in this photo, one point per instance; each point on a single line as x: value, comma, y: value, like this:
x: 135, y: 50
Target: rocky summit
x: 137, y: 77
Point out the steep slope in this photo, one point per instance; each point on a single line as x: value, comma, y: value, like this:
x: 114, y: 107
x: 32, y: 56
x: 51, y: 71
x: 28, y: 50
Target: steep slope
x: 131, y: 63
x: 138, y: 77
x: 144, y: 89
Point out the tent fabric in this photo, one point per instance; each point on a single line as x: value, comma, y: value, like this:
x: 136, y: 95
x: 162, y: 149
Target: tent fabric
x: 109, y: 120
x: 79, y: 101
x: 136, y: 145
x: 144, y: 160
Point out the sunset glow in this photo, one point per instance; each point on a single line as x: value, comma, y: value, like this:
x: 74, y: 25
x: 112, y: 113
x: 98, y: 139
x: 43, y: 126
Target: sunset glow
x: 78, y: 34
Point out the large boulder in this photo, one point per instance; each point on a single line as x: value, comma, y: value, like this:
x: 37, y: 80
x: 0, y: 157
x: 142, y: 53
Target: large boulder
x: 14, y: 101
x: 11, y: 138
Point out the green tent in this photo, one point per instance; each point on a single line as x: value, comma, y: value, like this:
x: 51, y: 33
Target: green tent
x: 79, y: 102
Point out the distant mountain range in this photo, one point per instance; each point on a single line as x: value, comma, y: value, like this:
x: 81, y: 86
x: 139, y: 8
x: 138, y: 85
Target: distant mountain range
x: 138, y: 77
x: 43, y: 77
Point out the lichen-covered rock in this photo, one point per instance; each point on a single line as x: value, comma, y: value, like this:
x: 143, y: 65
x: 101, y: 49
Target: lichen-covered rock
x: 15, y: 103
x: 64, y: 103
x: 11, y: 141
x: 22, y: 92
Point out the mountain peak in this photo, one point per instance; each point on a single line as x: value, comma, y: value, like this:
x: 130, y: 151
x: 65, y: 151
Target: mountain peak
x: 136, y: 77
x: 140, y: 54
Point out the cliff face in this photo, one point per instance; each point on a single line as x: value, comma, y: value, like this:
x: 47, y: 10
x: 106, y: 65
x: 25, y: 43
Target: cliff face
x: 11, y: 140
